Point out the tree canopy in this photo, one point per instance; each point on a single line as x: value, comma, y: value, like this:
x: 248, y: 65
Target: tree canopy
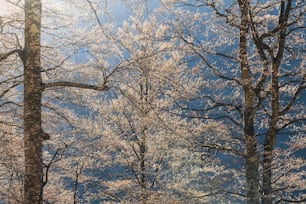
x: 166, y: 101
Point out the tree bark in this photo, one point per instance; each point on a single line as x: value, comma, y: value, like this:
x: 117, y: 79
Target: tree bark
x: 33, y: 89
x: 251, y: 155
x: 143, y: 174
x: 142, y: 142
x: 270, y: 138
x: 33, y: 178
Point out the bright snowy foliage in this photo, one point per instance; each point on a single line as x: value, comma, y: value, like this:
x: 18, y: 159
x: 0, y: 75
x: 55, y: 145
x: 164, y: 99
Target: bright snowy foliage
x: 181, y: 101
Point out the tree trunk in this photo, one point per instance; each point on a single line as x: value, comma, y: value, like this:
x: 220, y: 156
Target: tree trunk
x: 251, y: 155
x: 33, y: 180
x: 270, y: 138
x: 143, y: 174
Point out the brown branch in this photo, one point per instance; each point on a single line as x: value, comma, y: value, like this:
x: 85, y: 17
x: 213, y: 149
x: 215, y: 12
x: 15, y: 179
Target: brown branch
x: 295, y: 96
x: 225, y: 16
x: 75, y: 85
x: 4, y: 56
x: 8, y: 89
x: 98, y: 19
x: 291, y: 122
x: 209, y: 65
x: 222, y: 148
x: 291, y: 201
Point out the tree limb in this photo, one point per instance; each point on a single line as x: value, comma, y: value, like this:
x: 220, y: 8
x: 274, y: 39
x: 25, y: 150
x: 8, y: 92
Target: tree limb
x: 295, y: 96
x: 75, y: 85
x: 4, y: 56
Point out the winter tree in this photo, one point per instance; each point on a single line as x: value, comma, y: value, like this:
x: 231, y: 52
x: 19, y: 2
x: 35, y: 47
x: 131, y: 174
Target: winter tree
x: 29, y: 57
x: 253, y: 62
x: 205, y: 101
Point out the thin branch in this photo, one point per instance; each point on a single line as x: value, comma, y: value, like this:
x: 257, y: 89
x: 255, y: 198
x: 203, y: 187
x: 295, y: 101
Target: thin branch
x: 7, y: 90
x: 295, y: 96
x: 208, y: 64
x: 291, y: 201
x: 4, y: 56
x: 223, y: 149
x: 10, y: 103
x: 97, y: 17
x: 291, y: 123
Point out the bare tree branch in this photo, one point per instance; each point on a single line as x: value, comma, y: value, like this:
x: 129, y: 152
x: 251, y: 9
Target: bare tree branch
x: 295, y: 96
x: 4, y: 56
x: 75, y: 85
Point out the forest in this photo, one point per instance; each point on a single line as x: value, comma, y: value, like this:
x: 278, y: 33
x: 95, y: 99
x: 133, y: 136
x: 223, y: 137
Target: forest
x: 152, y: 101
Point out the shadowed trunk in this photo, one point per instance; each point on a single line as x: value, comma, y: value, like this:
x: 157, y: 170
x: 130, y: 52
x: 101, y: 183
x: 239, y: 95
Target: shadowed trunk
x: 270, y: 138
x: 251, y: 156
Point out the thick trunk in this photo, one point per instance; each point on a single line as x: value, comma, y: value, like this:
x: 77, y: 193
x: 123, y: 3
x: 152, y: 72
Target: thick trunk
x: 32, y: 104
x: 33, y: 87
x: 251, y: 155
x: 251, y: 160
x: 267, y: 169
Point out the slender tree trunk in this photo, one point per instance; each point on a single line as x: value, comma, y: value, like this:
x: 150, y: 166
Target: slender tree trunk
x: 143, y: 175
x: 32, y: 104
x: 144, y: 91
x: 251, y: 155
x: 270, y: 138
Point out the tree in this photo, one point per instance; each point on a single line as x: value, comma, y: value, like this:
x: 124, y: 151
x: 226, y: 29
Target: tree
x: 134, y: 130
x: 135, y: 146
x: 262, y: 44
x: 10, y: 104
x: 145, y: 122
x: 33, y: 133
x: 33, y: 89
x: 204, y: 96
